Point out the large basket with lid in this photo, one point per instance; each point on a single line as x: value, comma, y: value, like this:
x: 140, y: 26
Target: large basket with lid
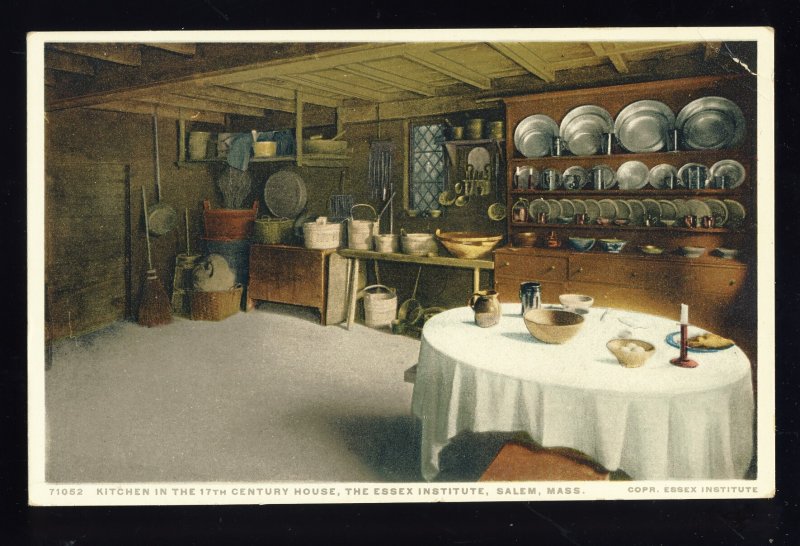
x: 361, y: 232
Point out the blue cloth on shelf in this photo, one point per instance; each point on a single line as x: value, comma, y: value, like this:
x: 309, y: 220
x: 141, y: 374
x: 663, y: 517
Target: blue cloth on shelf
x: 240, y: 150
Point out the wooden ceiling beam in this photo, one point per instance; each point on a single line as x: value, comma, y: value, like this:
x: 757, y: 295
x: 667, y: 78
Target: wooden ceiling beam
x: 241, y: 98
x: 188, y: 50
x: 281, y: 91
x: 347, y: 89
x: 125, y: 54
x: 459, y: 72
x: 49, y: 78
x: 388, y: 78
x: 191, y: 103
x: 614, y: 56
x: 64, y: 62
x: 520, y: 54
x: 163, y: 111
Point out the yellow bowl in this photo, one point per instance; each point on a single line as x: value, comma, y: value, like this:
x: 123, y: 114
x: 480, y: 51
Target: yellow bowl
x: 468, y: 245
x: 552, y: 325
x: 628, y: 355
x: 265, y: 149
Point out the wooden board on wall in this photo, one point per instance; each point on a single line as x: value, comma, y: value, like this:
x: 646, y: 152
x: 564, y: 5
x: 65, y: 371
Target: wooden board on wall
x: 86, y: 246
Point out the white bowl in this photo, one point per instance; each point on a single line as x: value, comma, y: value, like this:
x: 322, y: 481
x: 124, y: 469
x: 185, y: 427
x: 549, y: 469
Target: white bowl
x: 576, y: 301
x: 728, y: 253
x: 692, y: 251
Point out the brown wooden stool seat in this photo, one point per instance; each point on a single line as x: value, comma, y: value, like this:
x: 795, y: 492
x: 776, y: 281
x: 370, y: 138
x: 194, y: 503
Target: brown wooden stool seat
x: 520, y: 462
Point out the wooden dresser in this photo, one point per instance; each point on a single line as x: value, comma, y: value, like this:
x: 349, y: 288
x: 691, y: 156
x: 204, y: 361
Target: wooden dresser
x: 718, y: 291
x: 289, y: 274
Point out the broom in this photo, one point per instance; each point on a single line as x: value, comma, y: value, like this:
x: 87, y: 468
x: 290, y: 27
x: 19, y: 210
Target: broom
x: 154, y: 306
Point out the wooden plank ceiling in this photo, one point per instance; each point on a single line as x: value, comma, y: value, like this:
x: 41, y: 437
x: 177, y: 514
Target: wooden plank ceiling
x: 353, y: 78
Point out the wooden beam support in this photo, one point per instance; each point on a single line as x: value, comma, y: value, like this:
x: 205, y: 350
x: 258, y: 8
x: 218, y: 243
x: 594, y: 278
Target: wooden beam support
x: 298, y: 128
x: 325, y: 84
x: 281, y: 91
x: 619, y: 63
x: 65, y: 62
x: 388, y: 78
x: 126, y: 54
x: 174, y: 47
x: 190, y: 103
x: 449, y: 68
x: 411, y: 108
x: 163, y: 111
x: 523, y: 56
x: 240, y: 98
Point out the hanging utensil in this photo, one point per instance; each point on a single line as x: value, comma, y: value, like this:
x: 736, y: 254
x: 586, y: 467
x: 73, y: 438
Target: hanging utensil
x: 162, y: 218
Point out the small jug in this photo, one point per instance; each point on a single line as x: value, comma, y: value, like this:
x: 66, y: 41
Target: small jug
x: 486, y: 307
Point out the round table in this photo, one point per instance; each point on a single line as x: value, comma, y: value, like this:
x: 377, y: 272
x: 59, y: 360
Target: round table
x: 655, y: 422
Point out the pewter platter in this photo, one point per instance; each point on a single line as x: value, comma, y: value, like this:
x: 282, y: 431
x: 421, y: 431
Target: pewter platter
x: 727, y: 167
x: 711, y: 123
x: 643, y: 126
x: 660, y: 174
x: 632, y: 175
x: 583, y: 127
x: 533, y: 136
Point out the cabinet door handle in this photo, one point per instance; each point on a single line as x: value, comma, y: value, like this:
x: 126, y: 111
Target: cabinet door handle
x: 580, y: 270
x: 552, y: 268
x: 506, y: 264
x: 731, y: 282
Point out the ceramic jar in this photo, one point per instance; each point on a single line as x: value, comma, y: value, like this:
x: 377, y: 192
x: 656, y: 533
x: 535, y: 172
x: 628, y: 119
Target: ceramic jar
x: 486, y: 307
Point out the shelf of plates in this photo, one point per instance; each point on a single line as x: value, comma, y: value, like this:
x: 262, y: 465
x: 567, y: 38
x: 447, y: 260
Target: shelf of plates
x: 675, y: 95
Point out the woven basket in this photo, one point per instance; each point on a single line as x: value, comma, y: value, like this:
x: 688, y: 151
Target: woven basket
x: 271, y: 231
x: 380, y: 305
x: 216, y: 305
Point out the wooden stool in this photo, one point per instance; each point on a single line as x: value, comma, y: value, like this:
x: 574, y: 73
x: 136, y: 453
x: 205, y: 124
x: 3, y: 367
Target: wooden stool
x: 519, y: 462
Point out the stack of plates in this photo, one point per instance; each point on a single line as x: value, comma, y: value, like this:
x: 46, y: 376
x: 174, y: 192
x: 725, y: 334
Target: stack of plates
x: 583, y: 128
x: 533, y: 136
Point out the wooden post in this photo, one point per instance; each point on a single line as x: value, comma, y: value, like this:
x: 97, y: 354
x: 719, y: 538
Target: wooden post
x: 351, y: 311
x: 181, y: 137
x: 298, y: 127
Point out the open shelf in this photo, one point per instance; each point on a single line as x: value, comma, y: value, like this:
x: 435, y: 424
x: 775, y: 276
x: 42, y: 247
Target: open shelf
x: 647, y: 191
x: 308, y: 160
x: 673, y: 229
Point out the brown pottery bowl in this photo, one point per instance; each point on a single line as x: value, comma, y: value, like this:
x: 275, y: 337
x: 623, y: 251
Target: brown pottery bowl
x: 552, y: 325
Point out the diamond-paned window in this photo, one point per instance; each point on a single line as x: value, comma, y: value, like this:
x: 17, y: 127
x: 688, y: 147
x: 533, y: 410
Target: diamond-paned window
x: 427, y: 166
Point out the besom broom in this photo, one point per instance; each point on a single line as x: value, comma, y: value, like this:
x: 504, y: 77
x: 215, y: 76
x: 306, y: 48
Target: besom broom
x: 154, y: 306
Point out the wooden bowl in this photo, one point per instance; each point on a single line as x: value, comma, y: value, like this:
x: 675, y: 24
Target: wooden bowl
x: 628, y: 355
x: 552, y: 325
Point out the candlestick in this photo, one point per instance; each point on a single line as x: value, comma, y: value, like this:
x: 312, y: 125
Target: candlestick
x: 683, y: 360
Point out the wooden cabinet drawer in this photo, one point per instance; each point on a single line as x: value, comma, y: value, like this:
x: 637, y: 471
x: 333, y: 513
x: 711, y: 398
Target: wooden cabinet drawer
x: 530, y: 268
x: 716, y: 280
x: 618, y: 270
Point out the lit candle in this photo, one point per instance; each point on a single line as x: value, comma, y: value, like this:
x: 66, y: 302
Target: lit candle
x: 684, y: 314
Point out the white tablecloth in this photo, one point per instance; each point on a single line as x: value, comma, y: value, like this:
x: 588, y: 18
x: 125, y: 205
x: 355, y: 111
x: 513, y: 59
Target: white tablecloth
x: 655, y: 422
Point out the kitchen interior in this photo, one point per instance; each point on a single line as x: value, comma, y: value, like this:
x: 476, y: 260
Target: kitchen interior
x: 232, y: 228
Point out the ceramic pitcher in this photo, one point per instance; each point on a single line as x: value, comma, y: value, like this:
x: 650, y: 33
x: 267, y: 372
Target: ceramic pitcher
x: 486, y: 307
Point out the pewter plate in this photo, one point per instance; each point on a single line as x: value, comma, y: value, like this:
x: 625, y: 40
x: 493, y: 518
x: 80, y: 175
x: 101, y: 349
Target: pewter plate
x: 668, y: 210
x: 593, y: 209
x: 698, y: 208
x: 638, y: 211
x: 285, y: 194
x: 538, y: 205
x: 555, y: 210
x: 727, y: 167
x: 711, y: 123
x: 574, y: 178
x: 580, y: 206
x: 533, y: 136
x: 607, y: 209
x: 736, y: 213
x: 606, y: 174
x: 652, y: 207
x: 632, y: 175
x: 644, y: 126
x: 685, y: 173
x: 583, y: 127
x: 718, y: 210
x: 659, y: 176
x: 680, y: 205
x: 623, y: 209
x: 567, y: 207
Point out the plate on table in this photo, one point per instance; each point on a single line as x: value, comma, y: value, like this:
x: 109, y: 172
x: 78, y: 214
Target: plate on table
x: 674, y: 339
x: 583, y: 127
x: 659, y: 176
x: 607, y: 209
x: 533, y: 136
x: 593, y: 209
x: 580, y: 206
x: 574, y: 178
x: 632, y: 175
x: 644, y: 126
x: 693, y: 176
x: 567, y: 207
x: 536, y: 206
x: 623, y: 209
x: 652, y: 207
x: 711, y: 123
x: 680, y: 204
x: 698, y: 208
x: 605, y: 174
x: 736, y: 213
x: 638, y: 211
x: 555, y: 209
x: 669, y: 211
x: 730, y: 168
x: 718, y: 210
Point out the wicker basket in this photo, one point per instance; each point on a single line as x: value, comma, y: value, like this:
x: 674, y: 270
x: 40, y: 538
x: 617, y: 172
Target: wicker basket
x: 322, y: 234
x: 380, y: 305
x: 216, y: 305
x: 271, y: 231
